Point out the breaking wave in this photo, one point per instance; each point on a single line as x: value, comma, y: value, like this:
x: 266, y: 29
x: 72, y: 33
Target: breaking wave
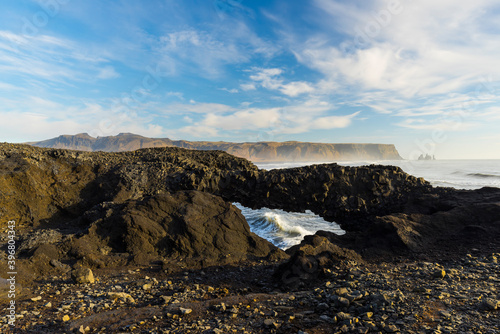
x: 285, y: 229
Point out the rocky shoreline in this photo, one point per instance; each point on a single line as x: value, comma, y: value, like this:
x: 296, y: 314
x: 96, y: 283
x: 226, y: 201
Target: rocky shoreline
x: 170, y: 254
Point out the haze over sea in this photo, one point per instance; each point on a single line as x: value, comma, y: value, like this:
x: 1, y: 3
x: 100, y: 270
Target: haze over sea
x: 285, y: 229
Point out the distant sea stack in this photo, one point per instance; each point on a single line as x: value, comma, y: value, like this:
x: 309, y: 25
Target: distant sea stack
x: 253, y: 151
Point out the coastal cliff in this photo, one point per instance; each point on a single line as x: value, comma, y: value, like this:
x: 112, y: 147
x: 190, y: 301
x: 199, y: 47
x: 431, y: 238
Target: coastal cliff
x: 253, y: 151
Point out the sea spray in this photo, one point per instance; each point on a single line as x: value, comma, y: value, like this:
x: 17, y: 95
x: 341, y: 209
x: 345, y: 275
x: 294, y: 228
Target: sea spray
x: 285, y: 229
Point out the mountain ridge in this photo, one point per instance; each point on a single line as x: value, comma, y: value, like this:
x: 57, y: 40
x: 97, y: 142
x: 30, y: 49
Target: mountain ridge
x: 254, y: 151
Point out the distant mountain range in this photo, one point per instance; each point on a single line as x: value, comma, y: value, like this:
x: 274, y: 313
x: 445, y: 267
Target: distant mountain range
x: 253, y: 151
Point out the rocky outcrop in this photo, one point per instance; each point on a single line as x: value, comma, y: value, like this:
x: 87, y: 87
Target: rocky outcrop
x: 311, y: 260
x: 188, y: 227
x: 444, y: 223
x: 40, y: 186
x: 103, y: 209
x: 257, y: 152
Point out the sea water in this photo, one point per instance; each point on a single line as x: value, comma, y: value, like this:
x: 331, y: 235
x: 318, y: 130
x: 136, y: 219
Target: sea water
x: 285, y: 229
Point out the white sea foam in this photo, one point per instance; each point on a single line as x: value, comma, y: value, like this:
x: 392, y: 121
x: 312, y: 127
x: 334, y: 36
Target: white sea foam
x: 285, y: 229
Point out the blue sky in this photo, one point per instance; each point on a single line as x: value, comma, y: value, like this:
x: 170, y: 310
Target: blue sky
x: 423, y: 75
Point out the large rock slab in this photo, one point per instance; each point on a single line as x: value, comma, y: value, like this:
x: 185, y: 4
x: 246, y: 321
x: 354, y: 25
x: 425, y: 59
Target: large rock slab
x: 191, y: 226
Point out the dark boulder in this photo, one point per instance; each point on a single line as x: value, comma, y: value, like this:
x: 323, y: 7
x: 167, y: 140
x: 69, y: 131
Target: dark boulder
x: 311, y: 258
x: 192, y: 226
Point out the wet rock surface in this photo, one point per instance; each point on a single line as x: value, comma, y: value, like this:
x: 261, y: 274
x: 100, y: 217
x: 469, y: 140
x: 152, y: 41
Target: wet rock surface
x: 136, y: 242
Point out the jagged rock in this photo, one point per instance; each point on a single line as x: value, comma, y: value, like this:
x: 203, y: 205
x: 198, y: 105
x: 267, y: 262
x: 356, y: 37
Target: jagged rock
x: 38, y: 238
x: 384, y: 210
x: 68, y: 183
x: 64, y: 267
x: 82, y: 276
x: 310, y: 258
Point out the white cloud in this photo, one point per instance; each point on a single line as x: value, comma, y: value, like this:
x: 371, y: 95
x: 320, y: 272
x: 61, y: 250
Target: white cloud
x: 232, y: 91
x: 50, y: 58
x: 296, y: 88
x: 269, y: 78
x: 25, y: 126
x: 208, y: 52
x: 243, y: 119
x: 421, y: 61
x: 198, y: 108
x: 47, y: 118
x: 248, y: 86
x: 333, y: 122
x: 299, y: 118
x: 108, y: 72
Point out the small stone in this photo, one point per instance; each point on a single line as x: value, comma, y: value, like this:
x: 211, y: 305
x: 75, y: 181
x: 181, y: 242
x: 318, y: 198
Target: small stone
x: 342, y: 302
x: 121, y: 295
x: 439, y: 274
x: 391, y: 328
x: 367, y: 315
x: 65, y: 318
x: 83, y: 330
x: 271, y: 323
x: 165, y: 299
x: 343, y: 316
x: 221, y: 307
x: 323, y: 306
x: 82, y: 276
x: 356, y: 295
x: 445, y: 314
x: 325, y: 318
x: 489, y: 304
x: 185, y: 310
x: 58, y: 264
x: 233, y: 310
x: 35, y: 299
x: 422, y: 290
x: 49, y: 304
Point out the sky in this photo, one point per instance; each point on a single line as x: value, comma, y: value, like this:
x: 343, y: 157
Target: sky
x: 423, y: 75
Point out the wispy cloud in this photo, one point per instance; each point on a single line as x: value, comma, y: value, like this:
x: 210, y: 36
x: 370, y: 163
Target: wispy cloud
x: 243, y: 121
x: 208, y: 52
x: 270, y: 78
x: 423, y: 60
x: 50, y: 58
x: 108, y: 72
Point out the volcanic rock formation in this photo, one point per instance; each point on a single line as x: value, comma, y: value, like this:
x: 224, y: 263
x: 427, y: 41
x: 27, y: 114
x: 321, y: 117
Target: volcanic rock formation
x: 170, y: 204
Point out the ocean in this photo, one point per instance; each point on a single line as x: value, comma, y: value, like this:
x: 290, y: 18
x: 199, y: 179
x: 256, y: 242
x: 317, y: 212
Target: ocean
x: 285, y: 229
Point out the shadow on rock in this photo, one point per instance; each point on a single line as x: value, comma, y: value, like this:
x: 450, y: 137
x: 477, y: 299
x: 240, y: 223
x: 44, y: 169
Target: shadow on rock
x: 310, y: 260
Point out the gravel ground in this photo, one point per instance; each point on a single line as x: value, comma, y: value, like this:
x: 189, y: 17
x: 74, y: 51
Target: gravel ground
x: 459, y: 296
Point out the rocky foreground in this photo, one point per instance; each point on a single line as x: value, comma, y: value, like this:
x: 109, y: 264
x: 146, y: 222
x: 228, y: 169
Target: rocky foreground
x: 148, y: 242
